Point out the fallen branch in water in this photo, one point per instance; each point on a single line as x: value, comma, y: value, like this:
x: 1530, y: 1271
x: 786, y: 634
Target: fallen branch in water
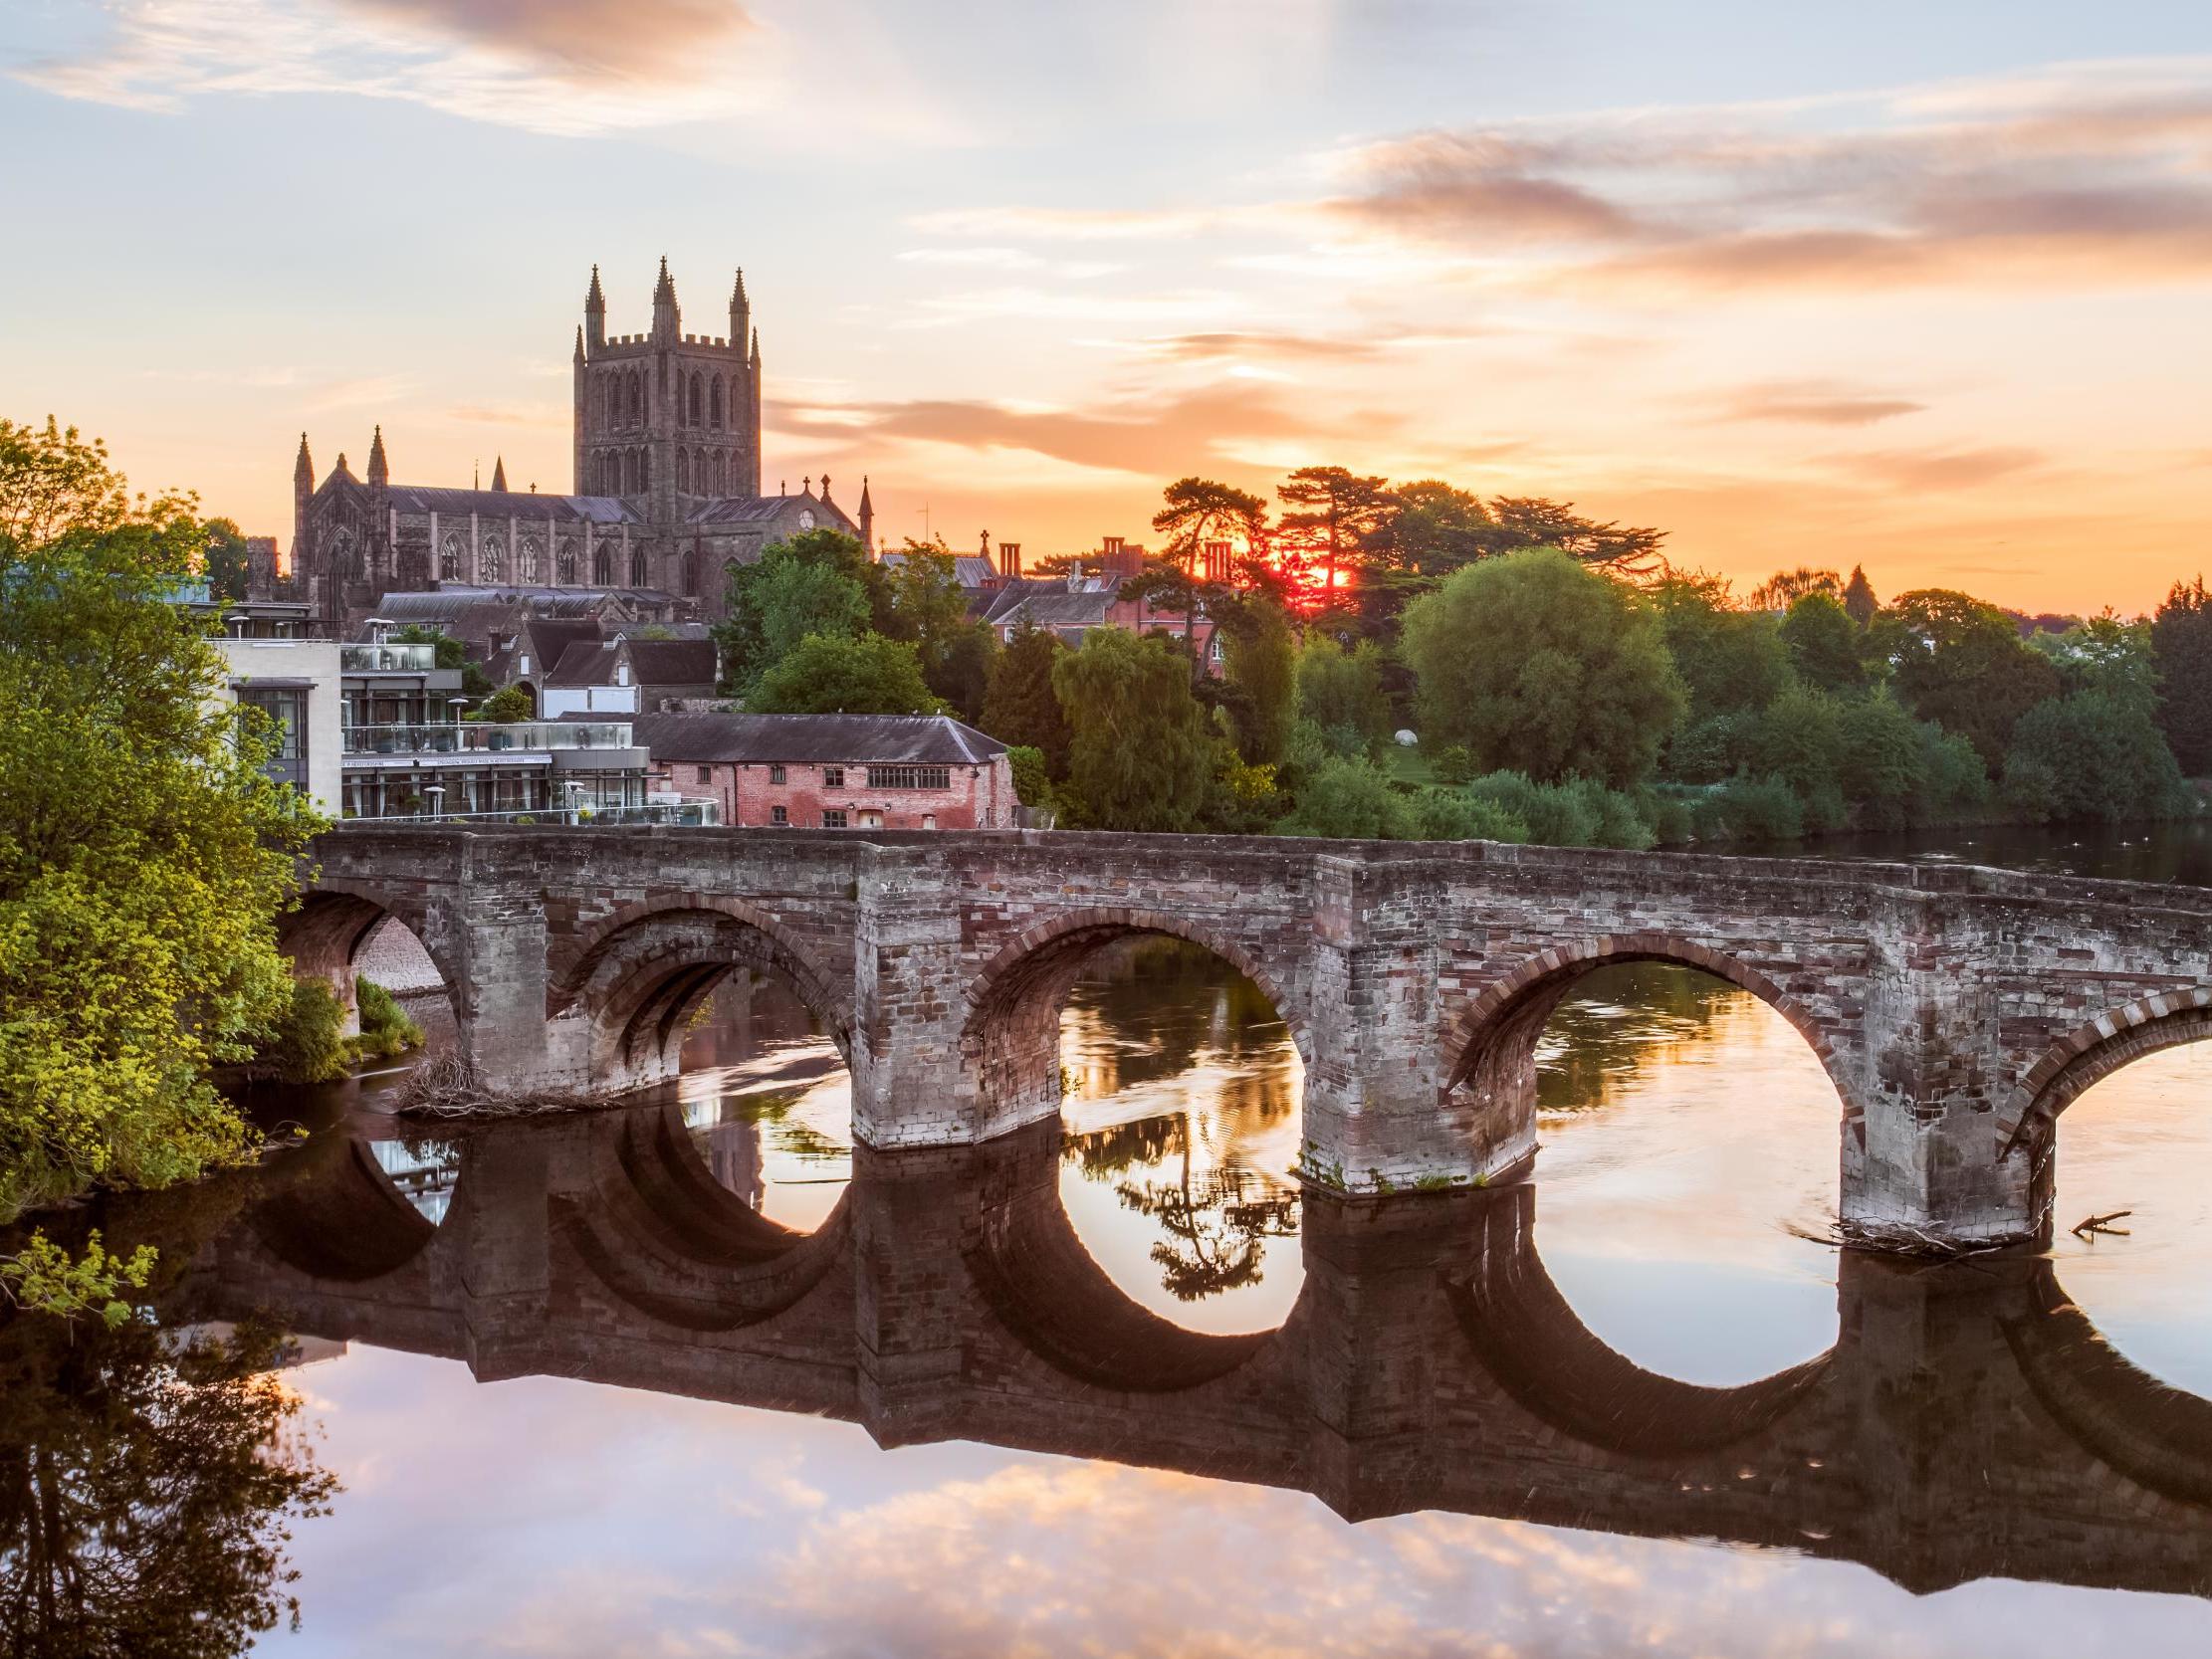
x: 1902, y: 1238
x: 445, y: 1086
x: 2092, y: 1224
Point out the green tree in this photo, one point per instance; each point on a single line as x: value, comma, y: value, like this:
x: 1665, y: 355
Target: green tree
x: 1800, y: 739
x: 505, y: 706
x: 1962, y: 664
x: 747, y: 651
x: 798, y: 597
x: 1729, y: 659
x: 1533, y: 522
x: 145, y: 851
x: 1538, y: 663
x: 1141, y: 751
x: 447, y: 653
x: 1859, y: 597
x: 1335, y: 515
x: 1824, y: 644
x: 225, y: 560
x: 1341, y: 692
x: 1882, y: 763
x: 1786, y: 587
x: 830, y: 673
x: 2181, y: 638
x: 1351, y: 800
x: 2107, y: 656
x: 1021, y: 707
x: 926, y: 605
x: 2091, y: 756
x: 1260, y: 660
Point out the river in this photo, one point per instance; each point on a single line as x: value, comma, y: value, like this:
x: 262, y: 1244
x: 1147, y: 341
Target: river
x: 1746, y: 1442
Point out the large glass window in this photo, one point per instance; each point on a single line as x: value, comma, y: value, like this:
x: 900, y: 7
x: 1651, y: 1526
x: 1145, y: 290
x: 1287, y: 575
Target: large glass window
x: 289, y: 709
x: 910, y: 777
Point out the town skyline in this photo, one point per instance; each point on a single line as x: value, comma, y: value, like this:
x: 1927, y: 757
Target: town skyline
x: 1930, y: 303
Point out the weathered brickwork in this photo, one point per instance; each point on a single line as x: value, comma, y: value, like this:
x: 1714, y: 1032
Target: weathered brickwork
x: 1957, y: 1010
x: 1967, y: 1421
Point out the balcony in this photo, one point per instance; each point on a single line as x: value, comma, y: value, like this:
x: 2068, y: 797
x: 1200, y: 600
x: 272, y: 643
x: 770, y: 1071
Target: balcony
x: 483, y: 738
x: 386, y: 659
x: 694, y: 814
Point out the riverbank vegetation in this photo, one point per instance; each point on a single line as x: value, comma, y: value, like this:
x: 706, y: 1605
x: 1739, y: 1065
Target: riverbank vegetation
x: 1568, y: 686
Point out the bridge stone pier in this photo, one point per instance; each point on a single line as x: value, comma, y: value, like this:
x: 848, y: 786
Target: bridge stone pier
x: 1957, y: 1010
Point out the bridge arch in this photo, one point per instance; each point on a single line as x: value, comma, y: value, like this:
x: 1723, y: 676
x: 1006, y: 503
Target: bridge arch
x: 639, y: 973
x: 1010, y: 1039
x: 335, y: 1214
x: 1490, y: 1053
x: 2082, y: 1059
x: 334, y: 923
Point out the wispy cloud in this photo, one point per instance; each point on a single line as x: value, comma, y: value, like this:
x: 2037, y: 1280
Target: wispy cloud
x: 1815, y: 403
x: 1928, y: 469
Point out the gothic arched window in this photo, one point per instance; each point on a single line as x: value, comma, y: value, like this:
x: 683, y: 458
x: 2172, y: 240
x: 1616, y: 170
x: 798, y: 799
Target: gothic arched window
x: 491, y: 561
x: 713, y: 403
x: 526, y: 563
x: 690, y: 572
x: 698, y: 403
x: 564, y: 564
x: 637, y: 399
x: 683, y: 473
x: 637, y: 567
x: 342, y: 553
x: 644, y: 470
x: 449, y: 559
x: 602, y: 568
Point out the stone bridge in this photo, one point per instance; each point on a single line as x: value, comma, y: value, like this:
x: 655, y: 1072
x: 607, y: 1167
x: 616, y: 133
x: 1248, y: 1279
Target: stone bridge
x: 1957, y: 1010
x: 1968, y: 1421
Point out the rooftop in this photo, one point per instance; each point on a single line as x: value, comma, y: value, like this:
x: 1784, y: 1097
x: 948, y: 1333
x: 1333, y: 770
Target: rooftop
x: 801, y: 740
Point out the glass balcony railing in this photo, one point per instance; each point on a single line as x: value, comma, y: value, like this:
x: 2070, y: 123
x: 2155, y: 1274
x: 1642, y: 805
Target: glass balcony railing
x: 484, y: 737
x: 386, y: 659
x: 696, y: 814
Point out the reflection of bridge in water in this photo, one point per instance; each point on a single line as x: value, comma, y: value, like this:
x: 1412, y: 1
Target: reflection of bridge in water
x: 1969, y: 1422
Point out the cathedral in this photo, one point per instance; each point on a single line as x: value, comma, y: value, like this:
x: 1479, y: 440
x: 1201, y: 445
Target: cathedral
x: 667, y: 490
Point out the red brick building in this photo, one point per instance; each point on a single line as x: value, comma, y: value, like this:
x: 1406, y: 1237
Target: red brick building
x: 832, y: 771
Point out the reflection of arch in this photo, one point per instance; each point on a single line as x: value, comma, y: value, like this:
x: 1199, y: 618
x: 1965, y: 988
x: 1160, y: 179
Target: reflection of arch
x: 2156, y: 1435
x: 335, y: 1214
x: 1032, y: 1271
x: 1495, y: 1037
x: 1532, y: 1342
x: 673, y: 1243
x: 640, y: 972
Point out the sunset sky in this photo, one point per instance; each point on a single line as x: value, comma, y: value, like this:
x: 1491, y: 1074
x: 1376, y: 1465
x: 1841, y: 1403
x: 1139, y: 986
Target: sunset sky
x: 1923, y: 287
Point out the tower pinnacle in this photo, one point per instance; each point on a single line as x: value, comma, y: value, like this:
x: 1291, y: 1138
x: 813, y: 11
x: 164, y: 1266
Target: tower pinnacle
x: 596, y: 313
x: 379, y: 470
x: 498, y: 474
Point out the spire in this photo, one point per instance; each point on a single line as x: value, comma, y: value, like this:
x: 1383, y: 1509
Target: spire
x: 594, y: 313
x: 303, y: 469
x: 499, y: 475
x: 579, y: 342
x: 756, y: 348
x: 379, y: 470
x: 741, y: 313
x: 867, y: 516
x: 737, y: 294
x: 667, y: 318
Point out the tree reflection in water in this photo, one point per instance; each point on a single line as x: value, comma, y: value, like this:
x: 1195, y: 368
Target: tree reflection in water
x: 1162, y: 1023
x: 150, y: 1481
x: 1616, y: 1021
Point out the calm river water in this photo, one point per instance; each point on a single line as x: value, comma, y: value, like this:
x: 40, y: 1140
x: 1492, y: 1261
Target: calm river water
x: 1732, y: 1440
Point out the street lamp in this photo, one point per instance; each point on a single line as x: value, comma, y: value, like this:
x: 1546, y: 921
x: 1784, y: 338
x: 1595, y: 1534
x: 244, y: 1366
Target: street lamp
x: 436, y: 793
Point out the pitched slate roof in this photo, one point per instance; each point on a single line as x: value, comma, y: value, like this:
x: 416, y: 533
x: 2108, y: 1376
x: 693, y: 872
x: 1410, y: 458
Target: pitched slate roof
x: 971, y: 570
x: 653, y: 662
x: 736, y: 510
x: 526, y: 504
x: 805, y: 740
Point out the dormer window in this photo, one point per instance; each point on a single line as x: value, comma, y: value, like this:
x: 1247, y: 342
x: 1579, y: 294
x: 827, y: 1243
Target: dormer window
x: 621, y: 673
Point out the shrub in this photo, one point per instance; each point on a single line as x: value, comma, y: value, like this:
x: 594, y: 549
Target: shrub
x: 1453, y: 815
x: 1799, y: 740
x: 1577, y: 813
x: 2091, y: 756
x: 505, y: 706
x: 1669, y: 814
x: 385, y: 1029
x: 1747, y: 808
x: 307, y: 1043
x: 1957, y: 789
x: 1453, y: 766
x: 1882, y: 763
x: 1350, y: 800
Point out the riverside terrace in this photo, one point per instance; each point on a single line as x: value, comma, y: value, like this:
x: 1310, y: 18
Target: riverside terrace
x: 1969, y: 1422
x: 1957, y: 1010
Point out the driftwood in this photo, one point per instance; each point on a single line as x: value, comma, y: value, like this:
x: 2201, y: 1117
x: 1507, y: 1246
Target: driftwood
x: 446, y: 1086
x: 2092, y: 1224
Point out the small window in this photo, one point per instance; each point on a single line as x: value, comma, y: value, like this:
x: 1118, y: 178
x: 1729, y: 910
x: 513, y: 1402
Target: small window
x: 929, y: 820
x: 776, y: 775
x: 833, y: 777
x: 833, y: 820
x: 706, y: 775
x: 777, y: 815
